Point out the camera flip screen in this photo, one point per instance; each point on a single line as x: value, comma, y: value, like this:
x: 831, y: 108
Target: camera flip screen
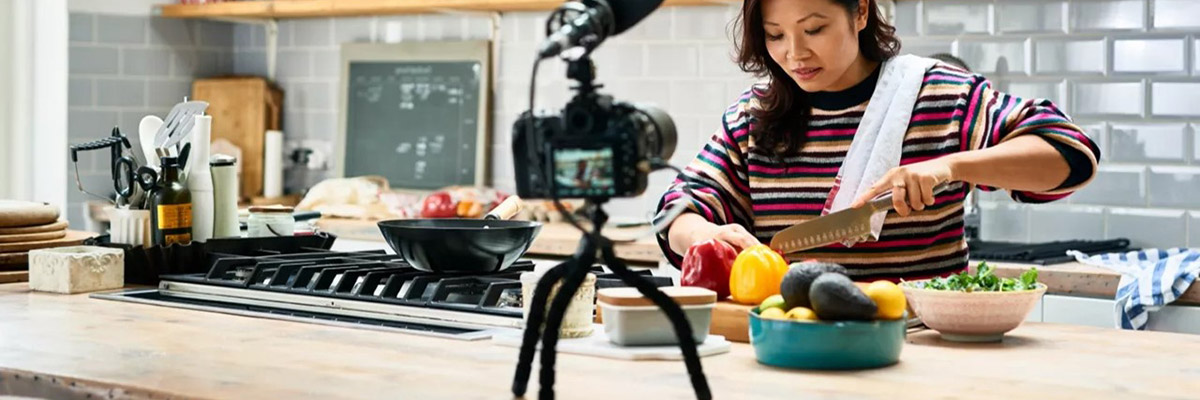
x: 584, y: 172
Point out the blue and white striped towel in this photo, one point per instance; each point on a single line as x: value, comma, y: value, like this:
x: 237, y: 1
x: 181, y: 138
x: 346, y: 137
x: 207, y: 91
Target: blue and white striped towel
x: 1150, y: 279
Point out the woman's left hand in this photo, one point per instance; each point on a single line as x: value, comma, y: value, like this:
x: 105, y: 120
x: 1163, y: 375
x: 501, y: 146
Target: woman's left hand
x: 911, y: 185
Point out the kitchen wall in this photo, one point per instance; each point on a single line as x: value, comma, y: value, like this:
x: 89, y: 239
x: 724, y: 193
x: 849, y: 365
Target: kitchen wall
x: 1128, y: 71
x: 678, y: 58
x: 123, y: 67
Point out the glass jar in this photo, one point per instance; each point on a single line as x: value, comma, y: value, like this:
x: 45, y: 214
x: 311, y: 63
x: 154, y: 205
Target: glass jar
x: 270, y: 221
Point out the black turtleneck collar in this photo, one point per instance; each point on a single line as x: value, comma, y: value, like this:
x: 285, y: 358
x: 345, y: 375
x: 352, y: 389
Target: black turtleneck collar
x: 855, y: 95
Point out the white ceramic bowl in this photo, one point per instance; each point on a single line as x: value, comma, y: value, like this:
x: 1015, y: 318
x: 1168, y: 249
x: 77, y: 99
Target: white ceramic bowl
x: 971, y: 316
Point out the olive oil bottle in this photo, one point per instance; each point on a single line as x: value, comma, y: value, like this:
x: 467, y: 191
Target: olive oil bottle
x: 171, y: 209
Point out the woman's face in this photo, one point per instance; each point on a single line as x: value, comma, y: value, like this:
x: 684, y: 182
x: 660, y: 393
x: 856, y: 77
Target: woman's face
x: 815, y: 41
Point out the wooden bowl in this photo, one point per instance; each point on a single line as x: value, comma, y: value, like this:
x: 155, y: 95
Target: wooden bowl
x: 971, y: 316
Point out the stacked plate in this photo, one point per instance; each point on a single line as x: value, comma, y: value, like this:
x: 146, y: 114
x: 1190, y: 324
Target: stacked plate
x: 28, y: 226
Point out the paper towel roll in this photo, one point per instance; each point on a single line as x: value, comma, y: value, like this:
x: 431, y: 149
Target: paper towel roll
x: 199, y: 180
x: 273, y: 165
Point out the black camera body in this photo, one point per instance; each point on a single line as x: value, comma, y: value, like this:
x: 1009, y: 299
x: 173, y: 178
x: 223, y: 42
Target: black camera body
x: 596, y: 148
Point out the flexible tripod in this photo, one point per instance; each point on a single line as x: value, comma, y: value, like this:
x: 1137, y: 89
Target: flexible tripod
x: 572, y: 273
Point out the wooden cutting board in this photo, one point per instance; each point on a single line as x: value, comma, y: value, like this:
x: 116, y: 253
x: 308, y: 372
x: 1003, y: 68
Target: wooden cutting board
x: 15, y: 213
x: 72, y: 238
x: 51, y: 227
x: 18, y: 258
x: 732, y: 321
x: 14, y: 276
x: 32, y: 237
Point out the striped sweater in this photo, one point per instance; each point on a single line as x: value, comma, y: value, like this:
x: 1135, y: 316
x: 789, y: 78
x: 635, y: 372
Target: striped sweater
x: 735, y: 182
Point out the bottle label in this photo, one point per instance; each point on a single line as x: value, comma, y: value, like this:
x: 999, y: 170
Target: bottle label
x: 175, y: 216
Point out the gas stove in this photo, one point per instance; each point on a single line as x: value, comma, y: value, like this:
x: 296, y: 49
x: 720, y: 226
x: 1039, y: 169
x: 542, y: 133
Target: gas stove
x: 366, y: 289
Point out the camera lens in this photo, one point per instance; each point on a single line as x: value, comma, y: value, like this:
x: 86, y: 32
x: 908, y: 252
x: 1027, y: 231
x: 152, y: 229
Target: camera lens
x: 661, y: 137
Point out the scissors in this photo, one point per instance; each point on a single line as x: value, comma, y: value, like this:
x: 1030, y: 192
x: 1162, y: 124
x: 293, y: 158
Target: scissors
x: 127, y: 176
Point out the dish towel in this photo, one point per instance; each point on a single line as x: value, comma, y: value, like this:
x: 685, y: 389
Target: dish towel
x: 1150, y: 279
x: 878, y: 142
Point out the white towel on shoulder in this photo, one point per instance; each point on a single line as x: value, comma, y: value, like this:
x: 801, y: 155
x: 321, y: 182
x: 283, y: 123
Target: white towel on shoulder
x: 878, y: 142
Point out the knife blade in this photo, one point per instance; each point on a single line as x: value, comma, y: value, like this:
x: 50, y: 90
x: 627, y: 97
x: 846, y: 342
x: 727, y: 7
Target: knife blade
x: 851, y: 223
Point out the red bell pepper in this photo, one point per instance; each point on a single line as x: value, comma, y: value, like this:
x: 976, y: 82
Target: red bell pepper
x: 708, y: 264
x: 438, y: 205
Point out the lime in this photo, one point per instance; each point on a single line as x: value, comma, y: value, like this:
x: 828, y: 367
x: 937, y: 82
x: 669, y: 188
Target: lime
x: 773, y: 301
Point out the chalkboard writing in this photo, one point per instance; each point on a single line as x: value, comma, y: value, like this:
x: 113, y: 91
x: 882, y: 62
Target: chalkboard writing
x: 413, y: 122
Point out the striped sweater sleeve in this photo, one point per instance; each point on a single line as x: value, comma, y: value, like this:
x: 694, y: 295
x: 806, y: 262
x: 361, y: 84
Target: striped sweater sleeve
x: 714, y: 184
x: 992, y: 117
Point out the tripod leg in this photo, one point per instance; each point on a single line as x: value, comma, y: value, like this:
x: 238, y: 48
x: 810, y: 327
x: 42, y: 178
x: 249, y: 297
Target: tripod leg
x: 537, y: 312
x: 575, y: 276
x: 683, y: 330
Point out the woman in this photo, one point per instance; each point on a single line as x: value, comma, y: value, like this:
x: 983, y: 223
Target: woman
x: 782, y: 144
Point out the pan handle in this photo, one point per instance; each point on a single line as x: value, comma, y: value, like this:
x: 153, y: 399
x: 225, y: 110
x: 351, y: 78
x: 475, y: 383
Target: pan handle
x: 506, y: 210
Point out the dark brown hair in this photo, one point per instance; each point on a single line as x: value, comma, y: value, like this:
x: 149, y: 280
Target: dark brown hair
x: 783, y: 108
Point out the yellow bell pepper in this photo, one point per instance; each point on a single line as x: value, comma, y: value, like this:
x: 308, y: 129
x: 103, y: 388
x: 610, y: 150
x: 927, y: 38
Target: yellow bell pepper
x: 756, y: 274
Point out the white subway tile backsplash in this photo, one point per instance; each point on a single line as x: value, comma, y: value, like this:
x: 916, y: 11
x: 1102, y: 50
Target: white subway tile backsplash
x: 994, y: 56
x: 1177, y: 187
x: 1098, y: 132
x: 165, y: 93
x: 1053, y: 91
x: 947, y: 18
x: 1148, y: 228
x: 149, y: 62
x: 907, y: 18
x: 1196, y: 144
x: 1196, y: 56
x: 79, y: 92
x: 121, y: 92
x: 83, y: 124
x: 351, y: 30
x: 1061, y: 222
x: 1175, y: 99
x: 86, y: 59
x: 1108, y: 98
x: 293, y: 63
x: 1030, y: 16
x: 435, y: 27
x: 702, y: 23
x: 294, y: 121
x: 620, y: 60
x: 1148, y: 143
x: 246, y: 36
x: 674, y: 60
x: 1006, y: 221
x: 80, y: 27
x: 717, y: 60
x: 1107, y: 15
x: 657, y: 26
x: 313, y: 32
x: 322, y: 124
x: 121, y: 29
x: 327, y: 63
x: 1115, y: 185
x: 1070, y: 56
x: 1176, y: 14
x: 654, y: 91
x: 1194, y: 229
x: 251, y: 62
x: 173, y: 32
x: 398, y: 28
x: 477, y: 28
x: 215, y: 34
x: 926, y: 47
x: 701, y: 96
x: 1149, y: 55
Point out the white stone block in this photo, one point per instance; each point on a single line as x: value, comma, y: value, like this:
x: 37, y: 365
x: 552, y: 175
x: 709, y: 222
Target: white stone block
x: 76, y: 269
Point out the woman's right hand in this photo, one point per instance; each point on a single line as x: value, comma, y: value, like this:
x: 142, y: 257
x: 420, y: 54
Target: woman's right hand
x: 734, y: 234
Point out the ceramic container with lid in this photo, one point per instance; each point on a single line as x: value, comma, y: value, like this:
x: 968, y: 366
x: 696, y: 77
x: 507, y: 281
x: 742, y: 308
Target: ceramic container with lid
x: 631, y: 319
x: 270, y: 221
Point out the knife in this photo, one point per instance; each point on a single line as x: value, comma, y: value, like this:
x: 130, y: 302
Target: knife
x: 851, y: 223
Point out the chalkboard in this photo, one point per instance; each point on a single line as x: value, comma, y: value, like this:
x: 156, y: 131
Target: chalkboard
x: 415, y: 113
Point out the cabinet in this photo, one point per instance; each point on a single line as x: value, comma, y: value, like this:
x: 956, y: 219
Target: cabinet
x: 1100, y: 313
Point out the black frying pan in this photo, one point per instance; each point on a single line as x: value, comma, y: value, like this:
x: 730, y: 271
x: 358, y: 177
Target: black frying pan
x: 462, y: 245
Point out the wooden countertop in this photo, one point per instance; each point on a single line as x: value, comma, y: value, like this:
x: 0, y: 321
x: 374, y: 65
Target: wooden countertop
x: 140, y: 351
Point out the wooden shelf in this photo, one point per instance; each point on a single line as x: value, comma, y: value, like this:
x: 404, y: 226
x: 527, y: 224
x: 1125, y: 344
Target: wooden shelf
x: 280, y: 9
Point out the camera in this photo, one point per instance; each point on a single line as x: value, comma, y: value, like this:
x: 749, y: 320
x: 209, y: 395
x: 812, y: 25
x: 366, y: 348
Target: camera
x: 595, y: 148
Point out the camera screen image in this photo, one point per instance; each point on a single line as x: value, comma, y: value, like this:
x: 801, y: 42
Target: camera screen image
x: 586, y: 172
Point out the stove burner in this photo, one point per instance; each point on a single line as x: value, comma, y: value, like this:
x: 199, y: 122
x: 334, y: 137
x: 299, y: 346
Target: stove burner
x: 1043, y: 253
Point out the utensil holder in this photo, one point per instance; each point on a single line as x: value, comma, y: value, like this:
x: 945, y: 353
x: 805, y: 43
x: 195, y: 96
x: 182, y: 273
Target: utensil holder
x: 130, y: 226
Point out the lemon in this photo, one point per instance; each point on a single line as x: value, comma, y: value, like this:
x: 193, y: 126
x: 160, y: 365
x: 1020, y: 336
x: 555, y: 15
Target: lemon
x: 772, y: 313
x: 775, y: 301
x: 801, y: 314
x: 889, y: 299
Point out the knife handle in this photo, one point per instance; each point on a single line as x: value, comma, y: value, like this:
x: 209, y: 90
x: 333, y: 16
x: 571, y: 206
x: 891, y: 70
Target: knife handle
x: 884, y: 201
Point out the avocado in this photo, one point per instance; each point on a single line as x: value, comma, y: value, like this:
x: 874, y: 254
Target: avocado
x: 834, y: 297
x: 799, y: 277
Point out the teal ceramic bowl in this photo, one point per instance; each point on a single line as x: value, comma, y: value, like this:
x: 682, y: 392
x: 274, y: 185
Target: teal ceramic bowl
x: 826, y: 345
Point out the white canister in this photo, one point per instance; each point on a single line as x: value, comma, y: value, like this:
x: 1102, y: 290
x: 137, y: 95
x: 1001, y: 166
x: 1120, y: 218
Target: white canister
x: 225, y: 196
x: 128, y: 226
x: 577, y: 320
x: 270, y: 221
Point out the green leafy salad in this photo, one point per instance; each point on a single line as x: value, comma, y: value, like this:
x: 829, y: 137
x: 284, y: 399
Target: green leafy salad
x: 984, y: 280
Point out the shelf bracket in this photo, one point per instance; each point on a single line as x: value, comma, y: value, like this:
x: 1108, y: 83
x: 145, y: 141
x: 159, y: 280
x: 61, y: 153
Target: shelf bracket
x: 271, y: 29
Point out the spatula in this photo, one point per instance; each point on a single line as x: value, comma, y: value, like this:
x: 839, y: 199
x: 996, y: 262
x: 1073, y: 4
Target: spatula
x: 848, y: 224
x: 178, y: 123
